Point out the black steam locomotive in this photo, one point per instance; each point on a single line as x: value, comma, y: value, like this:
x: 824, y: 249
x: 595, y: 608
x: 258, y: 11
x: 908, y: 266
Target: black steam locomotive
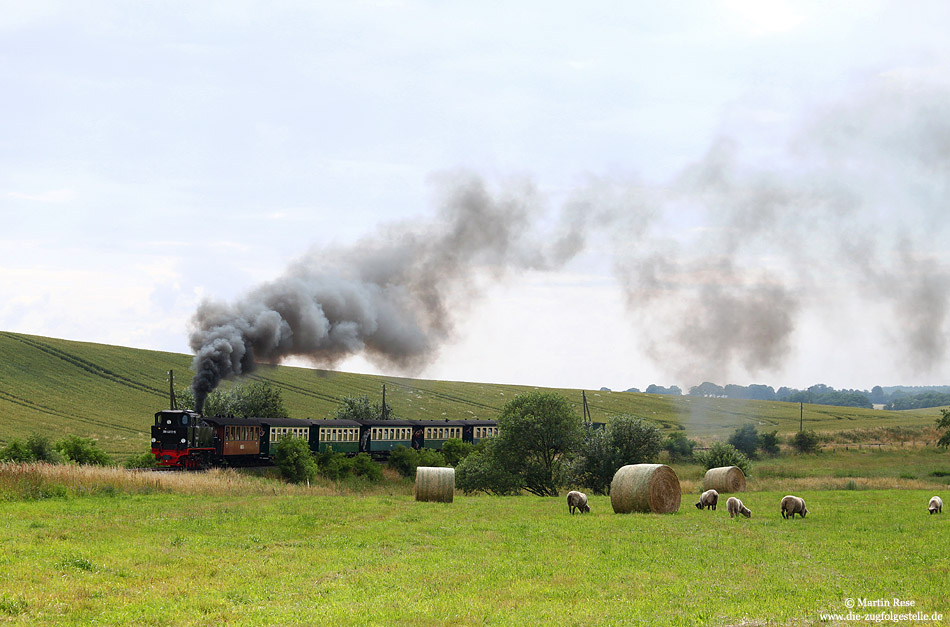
x: 185, y: 439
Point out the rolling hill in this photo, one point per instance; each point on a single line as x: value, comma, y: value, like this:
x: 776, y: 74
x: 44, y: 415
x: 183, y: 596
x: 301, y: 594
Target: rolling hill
x: 56, y: 387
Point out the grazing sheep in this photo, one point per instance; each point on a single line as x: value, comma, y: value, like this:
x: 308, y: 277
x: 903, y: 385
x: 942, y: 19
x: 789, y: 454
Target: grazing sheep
x: 792, y: 505
x: 577, y: 500
x: 709, y: 499
x: 936, y: 505
x: 734, y: 506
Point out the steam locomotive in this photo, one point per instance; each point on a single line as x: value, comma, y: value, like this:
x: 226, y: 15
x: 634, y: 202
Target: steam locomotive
x: 184, y: 439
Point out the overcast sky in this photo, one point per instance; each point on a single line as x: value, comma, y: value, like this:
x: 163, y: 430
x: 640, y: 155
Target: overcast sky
x: 734, y: 191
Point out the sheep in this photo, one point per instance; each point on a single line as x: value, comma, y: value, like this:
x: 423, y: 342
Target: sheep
x: 792, y: 505
x: 936, y: 505
x: 709, y: 499
x: 734, y: 506
x: 577, y: 500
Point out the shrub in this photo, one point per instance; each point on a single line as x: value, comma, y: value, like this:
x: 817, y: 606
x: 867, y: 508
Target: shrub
x: 363, y: 466
x: 481, y: 472
x: 769, y: 442
x: 82, y: 451
x: 142, y: 460
x: 292, y: 457
x: 722, y: 454
x: 16, y: 451
x: 43, y: 449
x: 405, y: 460
x: 746, y: 440
x: 625, y: 440
x: 806, y: 441
x: 334, y: 466
x: 454, y: 451
x: 679, y: 447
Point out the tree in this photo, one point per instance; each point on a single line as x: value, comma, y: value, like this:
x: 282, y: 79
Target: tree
x: 944, y: 423
x: 483, y: 472
x: 625, y: 440
x: 292, y: 457
x: 537, y: 434
x: 721, y: 454
x: 706, y: 388
x: 256, y: 399
x: 746, y: 440
x: 456, y: 450
x: 359, y: 408
x: 679, y: 447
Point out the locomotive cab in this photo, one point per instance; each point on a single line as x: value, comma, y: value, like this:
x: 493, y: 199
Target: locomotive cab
x: 180, y: 439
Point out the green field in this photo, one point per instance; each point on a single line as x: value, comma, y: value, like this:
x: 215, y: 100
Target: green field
x: 51, y: 386
x: 384, y: 559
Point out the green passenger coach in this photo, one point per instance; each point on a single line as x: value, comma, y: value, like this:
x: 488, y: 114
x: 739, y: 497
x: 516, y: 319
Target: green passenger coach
x: 343, y: 436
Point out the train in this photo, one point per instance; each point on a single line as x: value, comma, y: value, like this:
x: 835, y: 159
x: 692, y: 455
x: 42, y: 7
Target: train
x: 186, y: 440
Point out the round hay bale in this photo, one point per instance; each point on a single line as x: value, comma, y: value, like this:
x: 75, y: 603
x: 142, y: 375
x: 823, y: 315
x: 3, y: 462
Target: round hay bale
x: 435, y: 484
x: 645, y: 488
x: 724, y: 479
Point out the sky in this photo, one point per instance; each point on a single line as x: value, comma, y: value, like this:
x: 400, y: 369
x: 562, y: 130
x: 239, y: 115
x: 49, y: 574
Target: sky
x: 553, y: 194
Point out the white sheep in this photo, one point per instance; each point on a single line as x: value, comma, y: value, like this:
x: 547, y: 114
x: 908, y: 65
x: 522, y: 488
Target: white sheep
x: 577, y: 500
x: 735, y: 507
x: 709, y: 499
x: 936, y: 505
x: 792, y: 505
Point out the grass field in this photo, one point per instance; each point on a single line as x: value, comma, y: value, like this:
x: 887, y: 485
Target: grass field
x: 237, y: 555
x: 110, y: 393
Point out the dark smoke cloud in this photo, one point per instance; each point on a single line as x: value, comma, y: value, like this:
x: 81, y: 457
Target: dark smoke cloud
x: 394, y: 297
x: 717, y: 265
x: 854, y: 212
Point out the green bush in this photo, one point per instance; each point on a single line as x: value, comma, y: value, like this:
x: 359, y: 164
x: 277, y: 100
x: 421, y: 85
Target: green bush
x: 625, y: 440
x: 721, y: 454
x: 746, y: 440
x: 404, y: 460
x: 337, y: 466
x: 806, y: 441
x: 769, y: 442
x: 142, y: 460
x: 16, y: 451
x: 363, y: 466
x: 292, y: 457
x: 454, y: 451
x: 82, y: 451
x: 43, y: 449
x: 481, y: 472
x: 679, y: 447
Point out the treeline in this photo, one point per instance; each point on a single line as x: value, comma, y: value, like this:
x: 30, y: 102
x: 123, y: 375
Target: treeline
x: 895, y: 397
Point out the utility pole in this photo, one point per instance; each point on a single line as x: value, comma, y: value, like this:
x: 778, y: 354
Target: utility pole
x: 171, y: 389
x: 801, y: 417
x: 586, y: 408
x: 385, y: 412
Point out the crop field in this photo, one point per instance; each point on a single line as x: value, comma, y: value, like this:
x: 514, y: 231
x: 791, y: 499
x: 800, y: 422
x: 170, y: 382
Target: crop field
x: 110, y: 393
x: 313, y: 558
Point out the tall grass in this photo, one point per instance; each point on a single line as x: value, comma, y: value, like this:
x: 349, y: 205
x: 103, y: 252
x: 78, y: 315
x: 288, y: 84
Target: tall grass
x: 38, y: 481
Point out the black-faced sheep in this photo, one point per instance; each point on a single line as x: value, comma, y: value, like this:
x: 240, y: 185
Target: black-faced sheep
x: 735, y: 507
x: 936, y: 505
x: 577, y: 500
x: 792, y: 505
x: 709, y: 499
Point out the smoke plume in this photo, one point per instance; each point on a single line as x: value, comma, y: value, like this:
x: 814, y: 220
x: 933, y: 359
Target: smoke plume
x: 717, y: 264
x: 394, y: 297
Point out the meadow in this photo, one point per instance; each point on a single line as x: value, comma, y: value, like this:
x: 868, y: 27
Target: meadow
x: 224, y: 548
x: 110, y: 393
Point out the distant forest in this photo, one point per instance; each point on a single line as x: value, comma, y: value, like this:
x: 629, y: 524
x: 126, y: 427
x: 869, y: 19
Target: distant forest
x: 891, y: 397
